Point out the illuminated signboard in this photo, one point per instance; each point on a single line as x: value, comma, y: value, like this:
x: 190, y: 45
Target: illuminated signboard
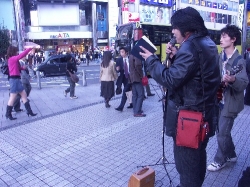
x: 160, y: 3
x: 60, y: 35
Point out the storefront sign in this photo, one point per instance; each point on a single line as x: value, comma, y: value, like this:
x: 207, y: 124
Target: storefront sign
x: 60, y: 35
x: 113, y: 18
x: 220, y: 4
x: 161, y: 3
x: 56, y: 35
x: 216, y: 14
x: 155, y: 15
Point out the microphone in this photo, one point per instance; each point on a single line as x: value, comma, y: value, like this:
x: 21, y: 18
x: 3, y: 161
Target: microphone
x: 172, y: 43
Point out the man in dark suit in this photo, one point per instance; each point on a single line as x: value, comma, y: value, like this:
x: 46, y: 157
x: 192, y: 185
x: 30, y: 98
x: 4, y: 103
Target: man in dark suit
x: 122, y: 67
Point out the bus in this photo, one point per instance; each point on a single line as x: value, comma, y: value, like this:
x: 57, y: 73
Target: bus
x: 159, y: 35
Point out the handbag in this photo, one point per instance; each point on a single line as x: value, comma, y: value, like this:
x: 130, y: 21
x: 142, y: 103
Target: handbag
x: 5, y: 68
x: 74, y: 77
x: 191, y: 129
x: 144, y: 81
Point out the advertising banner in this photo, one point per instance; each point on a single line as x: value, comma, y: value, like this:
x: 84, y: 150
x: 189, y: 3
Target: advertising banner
x: 154, y: 14
x: 240, y: 14
x: 248, y: 18
x: 101, y: 17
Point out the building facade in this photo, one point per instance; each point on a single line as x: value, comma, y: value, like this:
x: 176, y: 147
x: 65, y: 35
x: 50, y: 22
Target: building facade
x: 69, y: 25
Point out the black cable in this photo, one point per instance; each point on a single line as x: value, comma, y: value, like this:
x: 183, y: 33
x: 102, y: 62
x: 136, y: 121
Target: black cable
x: 163, y: 158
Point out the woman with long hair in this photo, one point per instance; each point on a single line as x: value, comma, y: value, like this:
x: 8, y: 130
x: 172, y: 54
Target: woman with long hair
x: 108, y: 75
x: 16, y: 85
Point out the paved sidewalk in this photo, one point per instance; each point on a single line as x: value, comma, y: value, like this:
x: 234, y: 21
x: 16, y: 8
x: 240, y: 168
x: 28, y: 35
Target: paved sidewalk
x: 82, y: 143
x: 50, y: 101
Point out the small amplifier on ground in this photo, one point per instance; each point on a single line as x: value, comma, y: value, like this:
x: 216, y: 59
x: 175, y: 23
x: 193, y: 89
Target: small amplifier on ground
x: 142, y: 178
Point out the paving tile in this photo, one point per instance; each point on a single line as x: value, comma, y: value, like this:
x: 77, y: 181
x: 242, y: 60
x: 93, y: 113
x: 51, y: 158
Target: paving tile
x: 62, y: 183
x: 6, y: 178
x: 2, y: 172
x: 76, y: 182
x: 99, y: 150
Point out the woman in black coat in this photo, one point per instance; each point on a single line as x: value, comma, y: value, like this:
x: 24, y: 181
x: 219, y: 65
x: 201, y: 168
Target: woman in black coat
x: 71, y: 67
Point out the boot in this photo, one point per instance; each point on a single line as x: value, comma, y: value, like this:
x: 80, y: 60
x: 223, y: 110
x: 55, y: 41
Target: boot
x: 29, y: 111
x: 8, y: 113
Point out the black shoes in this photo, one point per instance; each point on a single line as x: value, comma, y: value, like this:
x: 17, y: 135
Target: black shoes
x: 119, y: 109
x: 130, y: 106
x: 150, y: 94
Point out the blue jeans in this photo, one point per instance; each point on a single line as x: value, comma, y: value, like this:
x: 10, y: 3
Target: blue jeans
x: 138, y: 96
x: 226, y: 148
x: 191, y: 164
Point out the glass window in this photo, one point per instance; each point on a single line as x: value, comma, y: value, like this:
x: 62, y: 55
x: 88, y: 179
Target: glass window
x: 63, y: 60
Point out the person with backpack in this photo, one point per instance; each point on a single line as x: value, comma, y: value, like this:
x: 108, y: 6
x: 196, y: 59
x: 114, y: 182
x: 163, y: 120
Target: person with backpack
x: 233, y: 96
x: 16, y: 85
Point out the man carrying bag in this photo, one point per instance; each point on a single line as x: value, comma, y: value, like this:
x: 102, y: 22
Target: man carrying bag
x: 192, y: 82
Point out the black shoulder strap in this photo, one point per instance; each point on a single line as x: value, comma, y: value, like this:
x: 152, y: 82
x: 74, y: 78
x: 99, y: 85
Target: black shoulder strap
x: 202, y: 72
x: 236, y: 60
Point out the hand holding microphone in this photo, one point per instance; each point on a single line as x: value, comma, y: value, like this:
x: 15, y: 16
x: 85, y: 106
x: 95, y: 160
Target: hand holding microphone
x: 170, y: 48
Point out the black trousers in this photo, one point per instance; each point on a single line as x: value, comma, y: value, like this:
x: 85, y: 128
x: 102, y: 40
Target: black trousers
x: 127, y: 87
x: 71, y: 88
x: 191, y: 164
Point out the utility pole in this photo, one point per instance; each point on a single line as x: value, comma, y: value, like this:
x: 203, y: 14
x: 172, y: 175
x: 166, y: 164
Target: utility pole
x: 244, y: 29
x: 17, y: 24
x: 94, y: 24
